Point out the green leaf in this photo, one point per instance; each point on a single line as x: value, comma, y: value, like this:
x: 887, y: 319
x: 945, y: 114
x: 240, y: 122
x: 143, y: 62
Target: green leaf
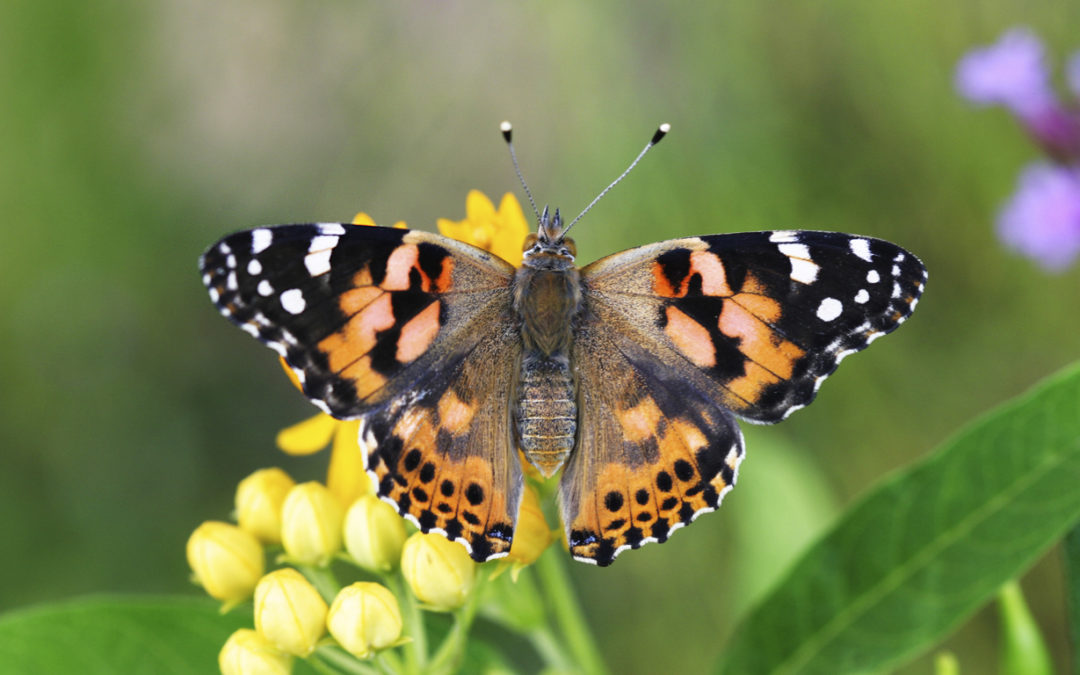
x: 108, y: 635
x: 926, y: 548
x: 1072, y: 585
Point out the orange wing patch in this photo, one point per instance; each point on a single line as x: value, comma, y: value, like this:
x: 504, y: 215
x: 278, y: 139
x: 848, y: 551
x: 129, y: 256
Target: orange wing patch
x: 461, y: 498
x: 690, y: 463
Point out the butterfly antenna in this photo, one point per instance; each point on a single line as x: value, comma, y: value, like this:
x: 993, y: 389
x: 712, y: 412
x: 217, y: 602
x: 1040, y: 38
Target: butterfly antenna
x: 507, y: 134
x: 661, y: 131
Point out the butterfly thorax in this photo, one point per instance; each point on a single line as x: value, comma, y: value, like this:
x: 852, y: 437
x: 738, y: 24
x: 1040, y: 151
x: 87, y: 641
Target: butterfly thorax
x: 547, y: 298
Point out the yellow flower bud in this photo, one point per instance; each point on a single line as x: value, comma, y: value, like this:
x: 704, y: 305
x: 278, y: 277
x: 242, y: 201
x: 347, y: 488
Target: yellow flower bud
x: 289, y: 612
x: 374, y: 534
x: 532, y: 535
x: 248, y: 653
x: 311, y: 524
x: 365, y: 618
x: 226, y: 560
x: 440, y: 572
x: 258, y: 503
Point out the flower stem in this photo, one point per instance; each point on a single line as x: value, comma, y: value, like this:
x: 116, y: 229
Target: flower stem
x: 416, y: 649
x: 451, y: 652
x: 557, y: 589
x: 323, y: 579
x: 329, y: 659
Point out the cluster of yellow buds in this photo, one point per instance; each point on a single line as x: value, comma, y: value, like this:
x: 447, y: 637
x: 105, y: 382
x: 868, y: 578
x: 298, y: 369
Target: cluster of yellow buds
x: 298, y: 607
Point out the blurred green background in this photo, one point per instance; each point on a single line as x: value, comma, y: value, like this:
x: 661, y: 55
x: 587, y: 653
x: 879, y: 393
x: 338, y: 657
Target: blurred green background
x: 134, y: 134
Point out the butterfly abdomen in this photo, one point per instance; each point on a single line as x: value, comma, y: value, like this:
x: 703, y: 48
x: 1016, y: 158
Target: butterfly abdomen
x: 547, y: 412
x: 547, y: 302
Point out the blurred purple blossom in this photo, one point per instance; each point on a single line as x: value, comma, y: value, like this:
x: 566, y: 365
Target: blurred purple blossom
x: 1013, y: 73
x: 1042, y: 219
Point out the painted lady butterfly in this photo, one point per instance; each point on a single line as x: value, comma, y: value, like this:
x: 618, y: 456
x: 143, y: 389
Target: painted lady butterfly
x: 627, y: 374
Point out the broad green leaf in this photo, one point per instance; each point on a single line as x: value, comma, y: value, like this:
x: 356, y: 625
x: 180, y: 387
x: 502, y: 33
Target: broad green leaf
x: 1072, y: 585
x: 109, y: 635
x: 926, y: 548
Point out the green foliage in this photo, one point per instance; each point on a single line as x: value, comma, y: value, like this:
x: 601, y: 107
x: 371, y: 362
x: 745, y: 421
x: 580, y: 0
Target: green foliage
x: 925, y: 549
x: 108, y: 635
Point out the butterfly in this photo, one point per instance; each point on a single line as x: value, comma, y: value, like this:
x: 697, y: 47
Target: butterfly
x: 627, y: 375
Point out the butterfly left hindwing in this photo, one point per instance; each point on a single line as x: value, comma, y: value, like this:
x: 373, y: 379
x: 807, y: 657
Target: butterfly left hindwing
x: 410, y: 332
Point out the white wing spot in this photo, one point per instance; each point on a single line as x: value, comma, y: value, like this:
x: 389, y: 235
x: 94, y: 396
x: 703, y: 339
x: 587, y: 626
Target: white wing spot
x: 829, y: 309
x: 230, y: 261
x: 265, y: 288
x: 896, y: 270
x: 230, y: 282
x: 899, y: 258
x: 319, y: 262
x: 322, y: 242
x: 334, y: 229
x: 224, y: 248
x: 861, y: 248
x: 872, y: 277
x: 261, y: 240
x: 896, y: 289
x: 795, y: 251
x: 293, y: 301
x: 214, y: 295
x: 803, y: 271
x: 862, y: 296
x: 784, y: 236
x: 254, y: 268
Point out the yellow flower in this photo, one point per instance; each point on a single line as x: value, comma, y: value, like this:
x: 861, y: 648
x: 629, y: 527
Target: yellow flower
x: 258, y: 503
x: 289, y: 612
x: 501, y: 232
x: 345, y: 476
x: 364, y: 219
x: 248, y: 653
x: 374, y: 534
x: 311, y: 521
x: 226, y: 561
x: 365, y: 618
x: 532, y: 535
x: 440, y: 572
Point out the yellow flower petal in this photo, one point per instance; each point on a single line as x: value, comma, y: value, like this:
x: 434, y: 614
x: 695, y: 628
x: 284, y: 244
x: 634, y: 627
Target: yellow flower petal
x: 532, y: 535
x: 346, y: 477
x: 478, y: 207
x: 510, y: 233
x: 309, y: 436
x: 364, y: 219
x: 289, y: 371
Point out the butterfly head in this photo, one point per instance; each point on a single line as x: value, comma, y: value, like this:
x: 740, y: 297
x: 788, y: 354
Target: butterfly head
x: 549, y: 248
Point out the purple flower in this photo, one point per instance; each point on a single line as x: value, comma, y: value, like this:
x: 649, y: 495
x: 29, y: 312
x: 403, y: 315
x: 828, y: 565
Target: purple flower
x: 1042, y: 220
x: 1013, y: 73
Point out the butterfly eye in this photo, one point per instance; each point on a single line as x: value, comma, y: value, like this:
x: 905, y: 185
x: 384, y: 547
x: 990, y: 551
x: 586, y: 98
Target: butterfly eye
x: 530, y: 241
x: 569, y: 246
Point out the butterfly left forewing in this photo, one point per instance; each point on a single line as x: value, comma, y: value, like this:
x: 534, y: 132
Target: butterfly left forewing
x: 411, y: 333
